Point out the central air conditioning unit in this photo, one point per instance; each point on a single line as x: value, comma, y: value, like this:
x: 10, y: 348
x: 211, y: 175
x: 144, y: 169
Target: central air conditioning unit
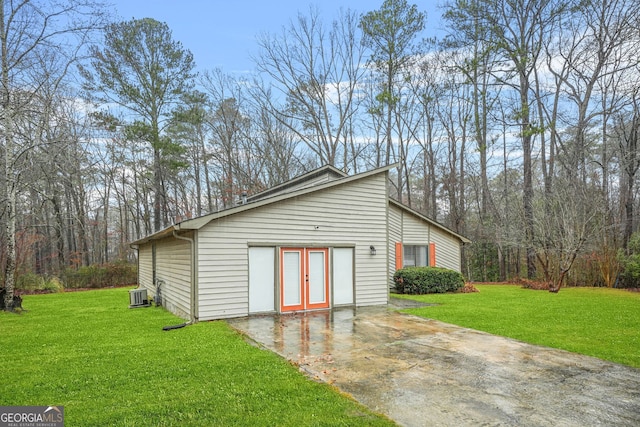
x: 138, y: 298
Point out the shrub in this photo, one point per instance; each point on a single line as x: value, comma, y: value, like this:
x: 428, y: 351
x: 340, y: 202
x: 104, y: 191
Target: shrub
x: 121, y: 273
x: 630, y: 263
x: 100, y: 276
x: 29, y: 282
x: 82, y: 277
x: 427, y: 280
x: 53, y: 284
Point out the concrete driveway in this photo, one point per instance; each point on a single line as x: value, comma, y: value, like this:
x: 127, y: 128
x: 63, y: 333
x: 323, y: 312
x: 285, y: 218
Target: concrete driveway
x: 422, y: 372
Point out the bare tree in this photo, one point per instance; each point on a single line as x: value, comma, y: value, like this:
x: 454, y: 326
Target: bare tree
x: 317, y: 71
x: 282, y: 156
x: 39, y: 41
x: 562, y: 235
x: 517, y: 29
x: 592, y: 46
x: 427, y: 86
x: 476, y: 59
x: 455, y: 116
x: 628, y: 129
x: 228, y: 126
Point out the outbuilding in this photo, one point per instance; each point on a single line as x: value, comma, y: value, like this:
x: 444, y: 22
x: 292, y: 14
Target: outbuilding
x: 321, y: 240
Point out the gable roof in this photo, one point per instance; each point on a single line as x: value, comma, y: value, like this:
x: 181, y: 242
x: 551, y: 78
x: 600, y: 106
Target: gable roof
x: 428, y: 220
x: 290, y: 189
x: 316, y: 180
x: 324, y: 174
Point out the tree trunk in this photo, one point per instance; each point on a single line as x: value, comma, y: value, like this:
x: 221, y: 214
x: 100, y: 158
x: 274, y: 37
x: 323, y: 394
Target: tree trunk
x: 10, y: 178
x: 105, y: 220
x: 460, y: 218
x: 527, y: 197
x: 207, y: 181
x: 10, y: 213
x: 157, y: 189
x: 10, y: 206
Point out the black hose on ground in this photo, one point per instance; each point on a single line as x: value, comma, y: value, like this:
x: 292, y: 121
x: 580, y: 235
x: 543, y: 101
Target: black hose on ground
x: 170, y: 327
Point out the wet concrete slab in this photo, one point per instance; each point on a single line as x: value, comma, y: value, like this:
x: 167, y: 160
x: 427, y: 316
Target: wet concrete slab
x: 422, y: 372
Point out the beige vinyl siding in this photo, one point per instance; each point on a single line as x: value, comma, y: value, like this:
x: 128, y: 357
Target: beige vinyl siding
x: 145, y: 268
x: 447, y: 249
x: 416, y: 231
x: 395, y: 235
x: 173, y: 266
x: 350, y: 214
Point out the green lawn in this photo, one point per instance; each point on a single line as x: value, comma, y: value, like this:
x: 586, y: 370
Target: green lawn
x: 110, y: 365
x: 599, y: 322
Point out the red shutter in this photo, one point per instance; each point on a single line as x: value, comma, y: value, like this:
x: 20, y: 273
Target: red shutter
x: 398, y: 255
x: 432, y: 254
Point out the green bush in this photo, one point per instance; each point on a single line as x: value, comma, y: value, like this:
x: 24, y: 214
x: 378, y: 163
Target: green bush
x: 427, y: 280
x: 119, y: 273
x: 53, y: 284
x: 100, y: 276
x: 630, y: 274
x: 31, y: 282
x: 82, y: 277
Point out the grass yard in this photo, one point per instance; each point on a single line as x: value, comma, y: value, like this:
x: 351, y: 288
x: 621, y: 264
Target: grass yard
x: 110, y: 365
x: 599, y: 322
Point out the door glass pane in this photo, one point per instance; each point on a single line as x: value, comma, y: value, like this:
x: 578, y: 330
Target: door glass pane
x: 316, y: 277
x: 291, y: 277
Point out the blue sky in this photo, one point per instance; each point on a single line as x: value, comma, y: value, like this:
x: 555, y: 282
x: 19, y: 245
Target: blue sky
x: 222, y: 34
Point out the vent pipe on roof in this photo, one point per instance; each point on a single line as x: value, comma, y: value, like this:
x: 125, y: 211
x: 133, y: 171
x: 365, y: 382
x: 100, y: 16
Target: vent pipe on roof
x: 244, y: 198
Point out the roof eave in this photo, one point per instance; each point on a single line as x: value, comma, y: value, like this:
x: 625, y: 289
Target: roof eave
x: 155, y: 236
x: 430, y: 221
x: 197, y: 223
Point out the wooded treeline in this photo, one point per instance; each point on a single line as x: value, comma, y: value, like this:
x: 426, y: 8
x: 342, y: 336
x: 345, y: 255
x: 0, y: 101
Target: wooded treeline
x: 517, y: 127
